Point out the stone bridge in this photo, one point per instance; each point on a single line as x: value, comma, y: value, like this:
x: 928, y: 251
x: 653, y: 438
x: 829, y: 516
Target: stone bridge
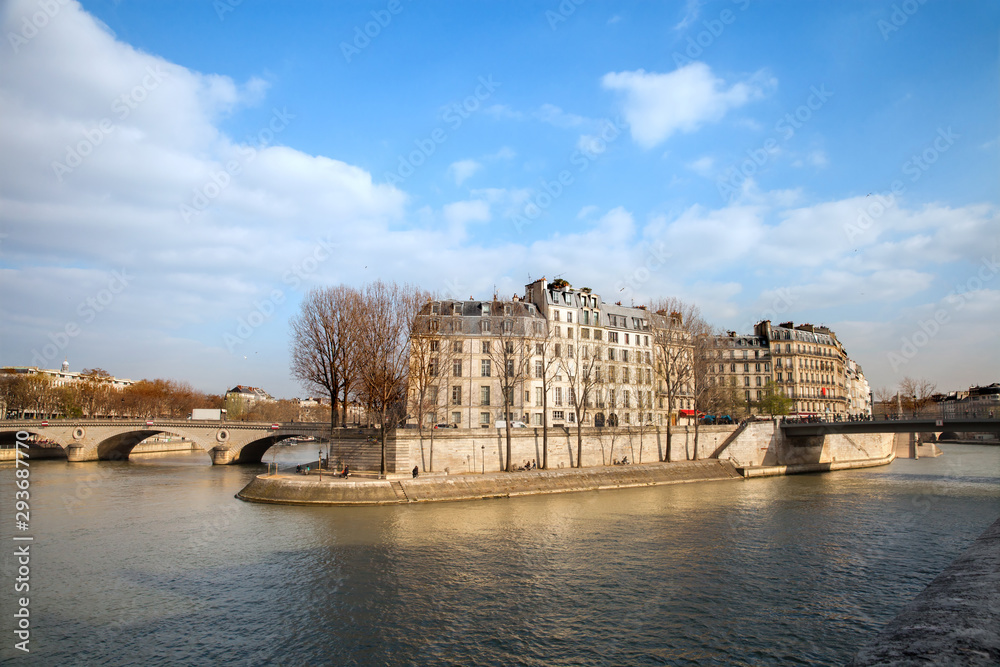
x: 937, y: 426
x: 102, y: 439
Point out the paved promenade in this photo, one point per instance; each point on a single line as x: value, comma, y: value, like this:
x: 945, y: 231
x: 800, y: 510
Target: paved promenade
x: 310, y: 490
x: 954, y: 621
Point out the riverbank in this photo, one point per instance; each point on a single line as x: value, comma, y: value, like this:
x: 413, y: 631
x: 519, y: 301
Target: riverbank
x: 955, y: 620
x: 293, y: 489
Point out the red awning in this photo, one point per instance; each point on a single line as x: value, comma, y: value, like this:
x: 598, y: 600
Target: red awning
x: 686, y: 413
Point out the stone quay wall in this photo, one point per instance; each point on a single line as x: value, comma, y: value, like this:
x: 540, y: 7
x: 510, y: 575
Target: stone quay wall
x: 476, y: 450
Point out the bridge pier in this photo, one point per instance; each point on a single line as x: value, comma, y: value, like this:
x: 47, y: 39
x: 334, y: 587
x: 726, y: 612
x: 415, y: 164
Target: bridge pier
x: 79, y: 453
x: 222, y: 456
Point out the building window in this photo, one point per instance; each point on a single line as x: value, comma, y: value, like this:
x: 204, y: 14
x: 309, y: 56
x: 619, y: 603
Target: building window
x: 484, y: 326
x: 484, y: 396
x: 539, y: 368
x: 538, y: 397
x: 585, y: 334
x: 555, y: 315
x: 456, y: 347
x: 456, y: 417
x: 456, y: 395
x: 746, y: 380
x: 536, y: 419
x: 484, y: 418
x: 612, y: 336
x: 457, y: 309
x: 558, y: 414
x: 485, y: 368
x: 432, y: 368
x: 558, y: 396
x: 456, y: 368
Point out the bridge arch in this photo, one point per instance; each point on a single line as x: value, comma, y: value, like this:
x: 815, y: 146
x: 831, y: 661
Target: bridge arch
x: 253, y: 451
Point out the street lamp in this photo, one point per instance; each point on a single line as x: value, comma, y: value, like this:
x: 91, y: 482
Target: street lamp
x: 319, y: 463
x: 484, y: 458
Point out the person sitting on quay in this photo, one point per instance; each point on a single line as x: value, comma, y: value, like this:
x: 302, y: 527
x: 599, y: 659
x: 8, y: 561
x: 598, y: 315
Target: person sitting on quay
x: 416, y: 471
x: 347, y: 471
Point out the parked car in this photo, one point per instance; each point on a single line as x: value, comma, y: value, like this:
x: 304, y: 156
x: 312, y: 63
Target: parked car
x: 503, y: 424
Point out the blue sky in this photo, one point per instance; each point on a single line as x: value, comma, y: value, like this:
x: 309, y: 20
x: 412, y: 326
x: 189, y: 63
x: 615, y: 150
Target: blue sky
x: 831, y: 163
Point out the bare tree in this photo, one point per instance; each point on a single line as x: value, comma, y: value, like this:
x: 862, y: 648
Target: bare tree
x: 639, y: 385
x: 508, y: 354
x: 546, y: 363
x: 385, y: 333
x: 708, y: 394
x: 675, y: 322
x: 324, y: 342
x: 580, y: 365
x: 915, y: 394
x: 431, y: 358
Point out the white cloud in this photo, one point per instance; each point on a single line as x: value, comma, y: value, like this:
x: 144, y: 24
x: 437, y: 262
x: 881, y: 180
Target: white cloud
x: 462, y: 170
x: 458, y: 214
x: 702, y: 166
x: 658, y: 105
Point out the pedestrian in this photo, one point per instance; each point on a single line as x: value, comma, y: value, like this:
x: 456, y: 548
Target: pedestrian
x: 416, y: 471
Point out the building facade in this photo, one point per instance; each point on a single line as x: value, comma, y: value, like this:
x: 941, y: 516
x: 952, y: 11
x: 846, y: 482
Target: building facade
x: 562, y: 356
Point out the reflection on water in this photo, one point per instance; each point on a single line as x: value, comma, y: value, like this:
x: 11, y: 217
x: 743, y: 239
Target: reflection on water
x: 154, y: 562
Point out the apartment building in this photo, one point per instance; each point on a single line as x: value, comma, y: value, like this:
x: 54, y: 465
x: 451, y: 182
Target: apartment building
x: 572, y: 356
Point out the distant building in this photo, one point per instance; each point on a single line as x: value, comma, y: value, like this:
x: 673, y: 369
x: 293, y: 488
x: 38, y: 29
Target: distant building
x: 64, y: 376
x: 241, y: 397
x: 975, y: 403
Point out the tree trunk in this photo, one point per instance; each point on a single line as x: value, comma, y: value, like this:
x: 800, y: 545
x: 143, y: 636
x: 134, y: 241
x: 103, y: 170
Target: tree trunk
x: 666, y: 454
x: 545, y: 425
x: 382, y: 461
x: 579, y: 446
x: 696, y: 424
x: 507, y: 423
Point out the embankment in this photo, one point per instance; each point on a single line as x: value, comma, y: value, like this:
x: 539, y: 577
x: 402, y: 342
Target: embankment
x: 954, y: 621
x: 310, y: 490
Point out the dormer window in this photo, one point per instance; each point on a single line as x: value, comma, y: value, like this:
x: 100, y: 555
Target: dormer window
x: 486, y: 309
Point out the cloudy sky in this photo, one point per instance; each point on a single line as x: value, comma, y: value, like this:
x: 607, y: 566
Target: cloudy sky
x: 175, y: 176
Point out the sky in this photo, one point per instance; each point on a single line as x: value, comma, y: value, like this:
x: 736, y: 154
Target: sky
x: 175, y: 177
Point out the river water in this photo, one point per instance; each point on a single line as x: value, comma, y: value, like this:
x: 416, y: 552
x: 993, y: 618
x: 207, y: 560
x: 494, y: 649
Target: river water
x: 154, y: 562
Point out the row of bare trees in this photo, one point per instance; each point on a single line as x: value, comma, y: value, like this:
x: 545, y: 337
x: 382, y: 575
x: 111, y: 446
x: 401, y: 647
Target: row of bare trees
x: 95, y: 396
x: 909, y: 397
x: 354, y: 344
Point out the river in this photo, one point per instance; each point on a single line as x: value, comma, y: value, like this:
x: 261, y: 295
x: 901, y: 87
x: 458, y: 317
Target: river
x: 154, y: 562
